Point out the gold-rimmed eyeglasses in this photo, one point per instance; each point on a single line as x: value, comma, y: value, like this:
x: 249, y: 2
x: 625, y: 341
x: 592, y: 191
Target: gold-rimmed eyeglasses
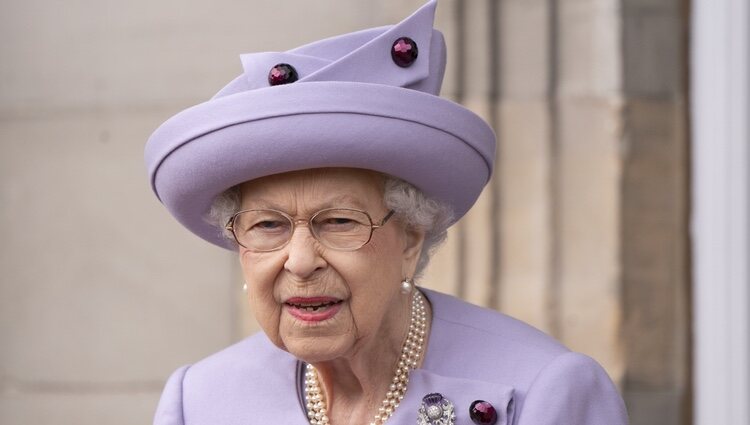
x: 342, y: 229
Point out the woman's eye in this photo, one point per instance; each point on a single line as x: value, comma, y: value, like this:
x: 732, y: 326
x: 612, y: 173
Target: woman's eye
x: 338, y: 224
x: 268, y: 226
x: 340, y: 220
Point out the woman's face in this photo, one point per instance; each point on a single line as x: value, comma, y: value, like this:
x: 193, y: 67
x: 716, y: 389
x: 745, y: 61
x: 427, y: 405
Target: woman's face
x: 318, y: 303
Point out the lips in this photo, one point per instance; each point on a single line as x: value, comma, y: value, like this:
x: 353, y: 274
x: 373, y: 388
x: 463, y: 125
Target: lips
x: 313, y: 309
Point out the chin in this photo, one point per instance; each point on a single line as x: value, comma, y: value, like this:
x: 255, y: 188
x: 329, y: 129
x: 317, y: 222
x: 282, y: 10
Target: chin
x: 319, y: 349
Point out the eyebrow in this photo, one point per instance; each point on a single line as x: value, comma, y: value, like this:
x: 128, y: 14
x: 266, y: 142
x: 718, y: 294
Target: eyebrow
x: 343, y: 201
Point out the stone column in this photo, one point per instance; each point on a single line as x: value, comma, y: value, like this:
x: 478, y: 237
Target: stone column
x: 655, y: 198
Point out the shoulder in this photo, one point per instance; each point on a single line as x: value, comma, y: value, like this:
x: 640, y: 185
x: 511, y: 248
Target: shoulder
x: 575, y: 387
x: 475, y: 319
x: 477, y: 342
x: 243, y: 368
x: 548, y: 381
x: 247, y: 355
x: 170, y: 409
x: 237, y: 385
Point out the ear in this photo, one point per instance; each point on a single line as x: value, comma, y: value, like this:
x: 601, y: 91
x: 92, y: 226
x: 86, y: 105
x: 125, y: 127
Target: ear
x: 412, y: 250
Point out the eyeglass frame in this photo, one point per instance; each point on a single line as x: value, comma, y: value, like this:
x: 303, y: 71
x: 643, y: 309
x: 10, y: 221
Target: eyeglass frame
x: 373, y: 226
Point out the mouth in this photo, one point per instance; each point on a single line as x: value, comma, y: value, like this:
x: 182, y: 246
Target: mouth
x: 313, y: 309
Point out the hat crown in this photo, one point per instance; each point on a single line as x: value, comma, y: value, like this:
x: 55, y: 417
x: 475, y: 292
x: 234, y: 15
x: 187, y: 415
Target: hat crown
x: 362, y: 57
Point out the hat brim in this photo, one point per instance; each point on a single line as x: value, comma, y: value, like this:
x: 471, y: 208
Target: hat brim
x: 440, y: 147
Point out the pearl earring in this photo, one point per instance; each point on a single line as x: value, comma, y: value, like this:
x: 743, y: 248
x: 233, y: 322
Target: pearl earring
x: 406, y: 285
x: 244, y: 287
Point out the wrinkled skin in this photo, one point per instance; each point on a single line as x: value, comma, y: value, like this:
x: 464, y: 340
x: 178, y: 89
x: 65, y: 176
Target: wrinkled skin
x: 354, y: 351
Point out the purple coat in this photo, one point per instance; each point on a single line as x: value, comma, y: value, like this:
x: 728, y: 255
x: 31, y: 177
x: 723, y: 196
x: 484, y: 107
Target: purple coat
x: 472, y: 354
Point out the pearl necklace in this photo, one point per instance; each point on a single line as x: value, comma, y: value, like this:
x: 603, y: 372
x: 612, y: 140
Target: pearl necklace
x: 411, y: 351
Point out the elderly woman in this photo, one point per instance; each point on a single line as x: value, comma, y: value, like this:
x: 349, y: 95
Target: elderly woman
x: 334, y: 170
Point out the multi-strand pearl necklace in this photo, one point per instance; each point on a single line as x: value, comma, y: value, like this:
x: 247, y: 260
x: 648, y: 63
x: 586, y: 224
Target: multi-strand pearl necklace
x: 411, y: 352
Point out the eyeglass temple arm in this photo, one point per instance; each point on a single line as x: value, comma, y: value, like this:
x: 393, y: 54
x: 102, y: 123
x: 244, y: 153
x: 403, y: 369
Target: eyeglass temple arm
x: 385, y: 219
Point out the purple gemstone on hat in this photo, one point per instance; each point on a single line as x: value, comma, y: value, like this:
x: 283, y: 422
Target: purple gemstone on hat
x: 404, y: 52
x: 282, y: 73
x: 482, y: 412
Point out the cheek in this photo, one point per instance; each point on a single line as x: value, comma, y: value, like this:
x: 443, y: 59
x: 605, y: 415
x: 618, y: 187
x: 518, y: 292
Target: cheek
x: 385, y: 252
x: 260, y: 272
x: 375, y: 286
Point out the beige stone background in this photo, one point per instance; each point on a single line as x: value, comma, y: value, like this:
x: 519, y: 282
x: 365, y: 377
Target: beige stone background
x: 582, y: 231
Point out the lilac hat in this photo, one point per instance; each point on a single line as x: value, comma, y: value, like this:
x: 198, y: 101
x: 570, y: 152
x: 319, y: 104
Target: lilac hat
x: 367, y: 99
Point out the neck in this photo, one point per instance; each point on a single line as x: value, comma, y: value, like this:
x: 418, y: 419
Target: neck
x: 356, y: 385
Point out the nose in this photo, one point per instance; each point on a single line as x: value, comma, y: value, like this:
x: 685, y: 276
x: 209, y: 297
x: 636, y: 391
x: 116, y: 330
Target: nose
x: 304, y: 259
